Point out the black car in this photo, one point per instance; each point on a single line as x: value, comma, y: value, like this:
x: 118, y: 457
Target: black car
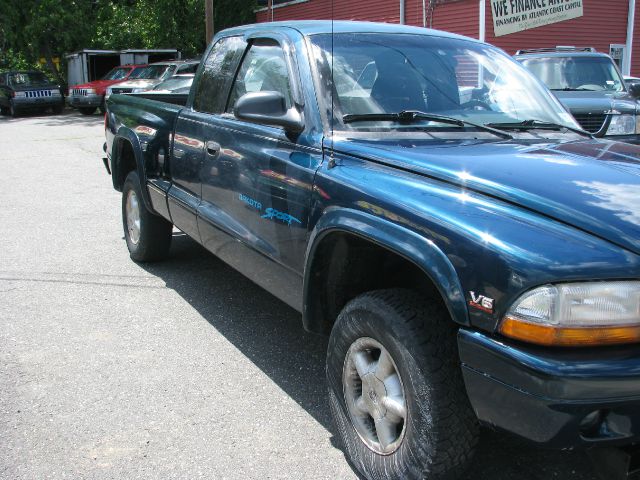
x: 591, y: 87
x: 28, y: 90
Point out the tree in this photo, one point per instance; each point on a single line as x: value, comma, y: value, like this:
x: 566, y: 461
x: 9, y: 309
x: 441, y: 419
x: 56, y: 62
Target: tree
x: 34, y: 29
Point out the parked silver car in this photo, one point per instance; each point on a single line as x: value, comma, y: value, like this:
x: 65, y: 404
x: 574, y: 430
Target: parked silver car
x: 152, y: 75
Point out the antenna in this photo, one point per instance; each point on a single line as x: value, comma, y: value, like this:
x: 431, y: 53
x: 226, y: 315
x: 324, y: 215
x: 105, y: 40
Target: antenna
x: 332, y: 162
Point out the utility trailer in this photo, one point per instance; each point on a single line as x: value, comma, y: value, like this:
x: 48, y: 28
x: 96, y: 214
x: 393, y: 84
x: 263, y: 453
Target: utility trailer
x: 88, y: 65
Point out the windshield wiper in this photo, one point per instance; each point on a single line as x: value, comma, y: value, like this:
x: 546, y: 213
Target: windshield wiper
x: 569, y: 89
x: 412, y: 116
x: 541, y: 125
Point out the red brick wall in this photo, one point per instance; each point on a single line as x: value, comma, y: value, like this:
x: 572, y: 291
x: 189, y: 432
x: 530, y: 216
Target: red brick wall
x: 371, y: 10
x: 603, y: 23
x: 635, y: 52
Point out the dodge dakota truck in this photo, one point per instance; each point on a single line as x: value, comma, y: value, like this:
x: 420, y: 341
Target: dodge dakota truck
x: 472, y: 253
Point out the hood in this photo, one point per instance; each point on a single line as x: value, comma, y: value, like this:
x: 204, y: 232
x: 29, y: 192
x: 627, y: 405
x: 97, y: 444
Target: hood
x: 593, y: 185
x: 582, y: 102
x: 97, y: 84
x: 139, y: 83
x: 44, y: 86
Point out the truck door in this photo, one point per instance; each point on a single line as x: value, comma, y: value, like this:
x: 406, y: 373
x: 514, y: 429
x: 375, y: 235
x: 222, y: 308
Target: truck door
x: 210, y: 94
x: 257, y: 180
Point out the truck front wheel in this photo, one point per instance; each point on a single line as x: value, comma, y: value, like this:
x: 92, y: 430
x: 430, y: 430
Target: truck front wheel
x: 396, y: 390
x: 13, y: 110
x: 148, y: 236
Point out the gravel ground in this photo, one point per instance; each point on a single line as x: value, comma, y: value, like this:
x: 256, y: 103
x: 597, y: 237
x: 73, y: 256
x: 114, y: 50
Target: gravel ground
x: 182, y: 369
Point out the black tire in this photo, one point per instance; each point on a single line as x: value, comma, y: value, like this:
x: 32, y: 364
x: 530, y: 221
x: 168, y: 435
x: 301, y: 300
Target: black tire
x: 13, y: 110
x: 102, y: 109
x: 57, y: 109
x: 152, y: 239
x: 87, y: 110
x: 440, y: 430
x: 4, y: 110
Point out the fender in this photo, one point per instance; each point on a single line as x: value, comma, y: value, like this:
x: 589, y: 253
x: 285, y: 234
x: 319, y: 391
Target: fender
x: 419, y: 250
x: 125, y: 134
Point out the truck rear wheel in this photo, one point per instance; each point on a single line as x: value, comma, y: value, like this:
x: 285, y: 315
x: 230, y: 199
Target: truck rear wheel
x: 148, y: 236
x: 396, y: 390
x: 87, y: 110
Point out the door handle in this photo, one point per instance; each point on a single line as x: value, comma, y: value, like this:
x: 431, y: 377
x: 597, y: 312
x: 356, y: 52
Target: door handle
x: 213, y: 148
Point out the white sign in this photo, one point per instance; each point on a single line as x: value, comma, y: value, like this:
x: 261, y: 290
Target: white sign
x: 510, y: 16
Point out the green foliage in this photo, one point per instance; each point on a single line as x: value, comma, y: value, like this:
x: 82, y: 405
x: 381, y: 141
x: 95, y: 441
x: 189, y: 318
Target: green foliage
x: 11, y: 60
x: 34, y: 29
x: 166, y: 23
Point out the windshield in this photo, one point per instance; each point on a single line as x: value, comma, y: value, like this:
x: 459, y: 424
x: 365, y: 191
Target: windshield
x: 151, y: 72
x: 117, y: 73
x: 576, y: 73
x: 175, y: 84
x: 388, y: 73
x: 27, y: 79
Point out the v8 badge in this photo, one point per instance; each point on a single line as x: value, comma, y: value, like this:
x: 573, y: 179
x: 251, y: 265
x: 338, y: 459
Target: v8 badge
x: 481, y: 302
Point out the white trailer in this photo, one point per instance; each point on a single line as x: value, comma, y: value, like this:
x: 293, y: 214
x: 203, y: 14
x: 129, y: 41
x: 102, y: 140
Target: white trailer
x: 88, y: 65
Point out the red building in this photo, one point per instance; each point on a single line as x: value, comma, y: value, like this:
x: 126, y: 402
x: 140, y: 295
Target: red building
x: 607, y: 25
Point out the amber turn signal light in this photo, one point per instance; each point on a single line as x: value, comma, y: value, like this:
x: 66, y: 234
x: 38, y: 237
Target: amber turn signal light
x: 569, y: 336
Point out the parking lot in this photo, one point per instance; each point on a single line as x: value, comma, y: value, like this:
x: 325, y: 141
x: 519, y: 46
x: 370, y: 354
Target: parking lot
x: 181, y: 369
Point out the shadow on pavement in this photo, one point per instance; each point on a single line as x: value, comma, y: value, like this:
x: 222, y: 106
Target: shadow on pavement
x: 270, y: 334
x: 68, y: 117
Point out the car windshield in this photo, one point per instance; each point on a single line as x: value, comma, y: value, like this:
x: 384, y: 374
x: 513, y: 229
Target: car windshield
x: 174, y: 84
x: 27, y: 79
x: 463, y: 79
x: 151, y: 72
x: 117, y: 73
x: 576, y: 73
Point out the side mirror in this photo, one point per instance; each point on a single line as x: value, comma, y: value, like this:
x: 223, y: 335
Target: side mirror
x: 634, y: 89
x: 268, y: 108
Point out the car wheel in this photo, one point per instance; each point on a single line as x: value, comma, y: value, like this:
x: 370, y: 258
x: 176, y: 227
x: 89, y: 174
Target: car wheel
x: 396, y: 390
x: 148, y: 236
x: 102, y: 108
x: 57, y: 109
x: 4, y: 110
x: 13, y: 110
x: 87, y: 110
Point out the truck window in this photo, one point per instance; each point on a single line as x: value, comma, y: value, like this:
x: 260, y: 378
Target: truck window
x: 264, y: 69
x: 189, y: 68
x: 219, y: 67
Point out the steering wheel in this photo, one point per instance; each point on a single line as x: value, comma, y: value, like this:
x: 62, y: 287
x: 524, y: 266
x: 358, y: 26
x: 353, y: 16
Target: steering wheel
x: 475, y: 105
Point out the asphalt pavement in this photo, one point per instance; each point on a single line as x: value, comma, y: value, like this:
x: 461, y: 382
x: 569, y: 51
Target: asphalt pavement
x: 176, y: 370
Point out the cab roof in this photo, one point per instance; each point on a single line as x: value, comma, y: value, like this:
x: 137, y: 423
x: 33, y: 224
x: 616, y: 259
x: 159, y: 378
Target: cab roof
x: 313, y: 27
x: 561, y: 54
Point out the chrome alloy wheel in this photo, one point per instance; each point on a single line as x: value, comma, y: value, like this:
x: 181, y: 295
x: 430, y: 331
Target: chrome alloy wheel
x: 133, y: 217
x: 375, y: 396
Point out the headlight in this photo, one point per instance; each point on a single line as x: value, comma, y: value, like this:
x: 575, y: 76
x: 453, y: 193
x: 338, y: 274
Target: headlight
x: 19, y: 94
x: 91, y: 91
x: 576, y: 314
x: 55, y: 93
x: 622, y: 125
x: 138, y: 90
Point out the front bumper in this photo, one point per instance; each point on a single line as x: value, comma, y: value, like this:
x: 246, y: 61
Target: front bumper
x: 26, y: 103
x: 79, y: 101
x: 561, y: 398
